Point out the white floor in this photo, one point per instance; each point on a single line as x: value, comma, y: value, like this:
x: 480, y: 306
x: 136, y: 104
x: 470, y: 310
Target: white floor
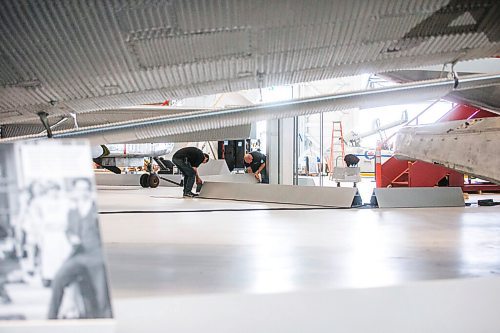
x: 191, y: 265
x: 168, y: 247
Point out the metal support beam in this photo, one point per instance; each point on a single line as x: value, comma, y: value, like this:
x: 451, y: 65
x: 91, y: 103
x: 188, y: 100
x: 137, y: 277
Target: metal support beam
x: 321, y: 148
x: 296, y: 151
x: 45, y: 122
x: 286, y: 153
x: 62, y: 120
x: 272, y: 151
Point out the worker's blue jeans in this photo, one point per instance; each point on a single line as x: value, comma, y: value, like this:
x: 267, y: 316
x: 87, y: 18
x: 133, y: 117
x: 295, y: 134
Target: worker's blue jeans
x: 187, y: 171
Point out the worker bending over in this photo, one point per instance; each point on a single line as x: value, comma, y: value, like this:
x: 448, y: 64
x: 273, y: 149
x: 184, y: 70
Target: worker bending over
x: 255, y: 163
x: 188, y: 160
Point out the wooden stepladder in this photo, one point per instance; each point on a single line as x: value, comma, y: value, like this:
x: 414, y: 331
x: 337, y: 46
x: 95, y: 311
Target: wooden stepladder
x: 337, y: 150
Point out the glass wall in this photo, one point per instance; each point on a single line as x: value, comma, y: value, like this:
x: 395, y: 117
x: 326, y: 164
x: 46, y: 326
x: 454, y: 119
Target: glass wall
x: 319, y: 149
x: 315, y: 154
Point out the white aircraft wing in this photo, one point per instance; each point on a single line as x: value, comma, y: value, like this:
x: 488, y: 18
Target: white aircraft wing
x: 469, y: 146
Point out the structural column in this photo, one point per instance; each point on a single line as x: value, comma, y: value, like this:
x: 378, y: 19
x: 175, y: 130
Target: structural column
x: 286, y: 165
x: 272, y: 151
x: 279, y: 150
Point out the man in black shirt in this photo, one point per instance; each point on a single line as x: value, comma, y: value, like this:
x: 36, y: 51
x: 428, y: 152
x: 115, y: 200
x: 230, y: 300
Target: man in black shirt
x: 255, y: 163
x: 188, y: 160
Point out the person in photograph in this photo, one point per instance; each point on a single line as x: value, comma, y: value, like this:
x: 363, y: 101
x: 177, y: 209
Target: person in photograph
x: 85, y: 265
x: 30, y: 222
x: 7, y: 263
x: 50, y: 221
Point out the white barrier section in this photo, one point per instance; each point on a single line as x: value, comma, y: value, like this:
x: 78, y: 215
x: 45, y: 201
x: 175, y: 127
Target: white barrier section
x: 231, y: 178
x: 458, y: 306
x: 214, y: 167
x: 287, y: 194
x: 414, y: 197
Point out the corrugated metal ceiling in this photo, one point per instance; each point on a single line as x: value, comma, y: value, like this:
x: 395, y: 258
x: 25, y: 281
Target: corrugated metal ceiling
x: 97, y: 55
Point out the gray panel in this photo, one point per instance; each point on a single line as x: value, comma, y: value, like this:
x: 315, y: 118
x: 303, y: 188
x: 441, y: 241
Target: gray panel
x: 419, y: 197
x: 214, y: 167
x: 230, y: 178
x: 306, y: 181
x: 288, y: 194
x: 167, y: 50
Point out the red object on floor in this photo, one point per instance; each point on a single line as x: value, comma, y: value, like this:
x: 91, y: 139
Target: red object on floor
x: 394, y: 173
x: 423, y: 174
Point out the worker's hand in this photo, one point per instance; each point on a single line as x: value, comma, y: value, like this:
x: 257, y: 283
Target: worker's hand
x: 257, y: 176
x: 199, y: 181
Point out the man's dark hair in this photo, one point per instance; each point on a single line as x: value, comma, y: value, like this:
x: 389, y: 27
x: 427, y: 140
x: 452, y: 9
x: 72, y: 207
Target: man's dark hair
x: 208, y: 157
x: 351, y: 160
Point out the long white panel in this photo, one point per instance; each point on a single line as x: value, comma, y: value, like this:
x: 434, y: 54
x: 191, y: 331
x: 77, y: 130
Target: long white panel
x: 419, y: 197
x: 289, y: 194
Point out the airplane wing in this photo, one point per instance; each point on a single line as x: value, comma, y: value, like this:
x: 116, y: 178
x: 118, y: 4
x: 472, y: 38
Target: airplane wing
x: 79, y: 57
x: 455, y: 145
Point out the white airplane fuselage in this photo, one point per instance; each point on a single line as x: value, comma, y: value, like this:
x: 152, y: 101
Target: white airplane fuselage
x: 130, y: 155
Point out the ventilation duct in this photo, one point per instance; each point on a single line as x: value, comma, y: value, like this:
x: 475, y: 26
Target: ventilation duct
x: 209, y: 120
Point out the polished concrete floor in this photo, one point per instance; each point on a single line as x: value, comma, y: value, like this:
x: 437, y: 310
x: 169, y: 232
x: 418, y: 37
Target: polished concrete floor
x: 157, y: 244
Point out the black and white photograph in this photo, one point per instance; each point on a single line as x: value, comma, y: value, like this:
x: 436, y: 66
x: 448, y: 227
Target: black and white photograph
x: 51, y: 259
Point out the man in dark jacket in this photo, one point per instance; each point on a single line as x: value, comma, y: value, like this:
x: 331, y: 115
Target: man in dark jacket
x: 188, y: 160
x: 255, y: 162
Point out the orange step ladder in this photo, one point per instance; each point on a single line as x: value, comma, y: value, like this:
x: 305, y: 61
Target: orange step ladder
x: 336, y: 147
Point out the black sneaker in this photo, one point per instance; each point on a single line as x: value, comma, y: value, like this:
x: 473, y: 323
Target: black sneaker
x: 190, y: 195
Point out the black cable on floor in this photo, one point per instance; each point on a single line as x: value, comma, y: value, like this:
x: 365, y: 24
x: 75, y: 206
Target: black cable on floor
x: 366, y: 205
x: 216, y: 210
